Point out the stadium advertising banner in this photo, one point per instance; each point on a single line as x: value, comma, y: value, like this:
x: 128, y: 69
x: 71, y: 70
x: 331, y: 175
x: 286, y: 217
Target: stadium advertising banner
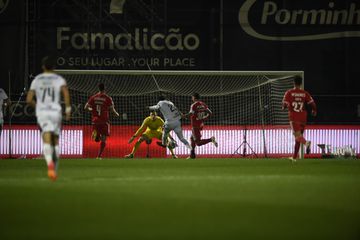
x: 152, y: 38
x: 127, y: 49
x: 321, y: 37
x: 75, y: 141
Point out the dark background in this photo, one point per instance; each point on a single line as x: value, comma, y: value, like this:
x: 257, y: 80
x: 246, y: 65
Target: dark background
x: 331, y: 66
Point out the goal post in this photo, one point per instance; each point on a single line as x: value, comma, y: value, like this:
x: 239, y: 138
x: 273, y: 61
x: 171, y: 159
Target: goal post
x: 246, y: 106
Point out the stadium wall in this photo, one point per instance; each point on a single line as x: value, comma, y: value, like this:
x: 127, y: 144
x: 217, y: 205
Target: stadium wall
x: 76, y: 141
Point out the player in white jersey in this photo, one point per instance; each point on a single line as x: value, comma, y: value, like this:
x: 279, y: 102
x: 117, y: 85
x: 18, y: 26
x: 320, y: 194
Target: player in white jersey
x: 48, y: 87
x: 172, y: 118
x: 4, y: 100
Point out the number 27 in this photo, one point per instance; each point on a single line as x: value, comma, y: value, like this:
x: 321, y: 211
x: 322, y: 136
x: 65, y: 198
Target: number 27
x: 298, y: 106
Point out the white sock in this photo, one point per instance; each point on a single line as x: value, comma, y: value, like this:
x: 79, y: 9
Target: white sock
x: 48, y: 150
x: 57, y: 151
x: 57, y: 154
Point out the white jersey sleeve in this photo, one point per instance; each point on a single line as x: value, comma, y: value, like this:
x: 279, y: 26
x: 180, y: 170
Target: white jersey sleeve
x: 155, y: 107
x: 191, y: 109
x: 47, y: 87
x: 3, y: 97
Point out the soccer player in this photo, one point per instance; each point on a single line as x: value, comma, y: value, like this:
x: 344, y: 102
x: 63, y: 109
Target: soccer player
x: 152, y: 126
x: 4, y: 100
x: 172, y: 120
x: 294, y: 100
x: 48, y: 87
x: 99, y: 106
x: 198, y: 113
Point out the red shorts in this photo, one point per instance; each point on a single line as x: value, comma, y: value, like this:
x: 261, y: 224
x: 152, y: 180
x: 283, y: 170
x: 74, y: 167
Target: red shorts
x: 196, y: 133
x: 298, y: 126
x: 102, y: 129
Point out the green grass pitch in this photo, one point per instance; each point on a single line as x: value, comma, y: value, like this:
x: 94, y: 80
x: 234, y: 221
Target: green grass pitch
x: 181, y: 199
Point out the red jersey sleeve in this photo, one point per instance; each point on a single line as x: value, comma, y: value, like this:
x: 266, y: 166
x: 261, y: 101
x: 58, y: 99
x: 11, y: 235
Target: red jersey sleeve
x: 309, y: 100
x: 286, y: 100
x: 90, y: 102
x: 110, y: 102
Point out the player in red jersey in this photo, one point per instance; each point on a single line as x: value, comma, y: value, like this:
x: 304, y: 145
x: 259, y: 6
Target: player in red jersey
x: 294, y: 100
x: 99, y: 105
x: 198, y: 113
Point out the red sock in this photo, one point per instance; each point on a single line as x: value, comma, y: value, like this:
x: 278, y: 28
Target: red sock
x: 300, y: 139
x: 192, y: 143
x: 297, y: 148
x: 102, y: 147
x: 203, y: 141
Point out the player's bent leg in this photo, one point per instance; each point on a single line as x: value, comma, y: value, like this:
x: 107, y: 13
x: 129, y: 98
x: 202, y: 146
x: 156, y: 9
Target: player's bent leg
x: 193, y: 145
x: 179, y: 134
x: 136, y: 146
x: 55, y: 145
x: 48, y: 151
x: 213, y: 140
x: 308, y: 147
x: 50, y: 129
x: 197, y: 136
x: 203, y: 142
x: 95, y: 135
x: 165, y: 135
x: 172, y: 141
x: 172, y: 153
x: 102, y: 146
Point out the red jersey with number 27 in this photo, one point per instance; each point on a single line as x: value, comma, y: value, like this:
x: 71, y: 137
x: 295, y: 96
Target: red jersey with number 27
x: 100, y: 104
x: 199, y: 113
x: 295, y: 100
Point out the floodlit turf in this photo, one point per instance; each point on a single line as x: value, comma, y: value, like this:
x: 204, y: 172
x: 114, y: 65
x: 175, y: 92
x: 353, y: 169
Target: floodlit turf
x: 181, y: 199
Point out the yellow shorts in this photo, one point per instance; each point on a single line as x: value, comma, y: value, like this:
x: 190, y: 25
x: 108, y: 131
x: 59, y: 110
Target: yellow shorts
x: 150, y: 134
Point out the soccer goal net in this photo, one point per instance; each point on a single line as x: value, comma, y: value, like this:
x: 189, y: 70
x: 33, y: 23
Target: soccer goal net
x: 247, y: 118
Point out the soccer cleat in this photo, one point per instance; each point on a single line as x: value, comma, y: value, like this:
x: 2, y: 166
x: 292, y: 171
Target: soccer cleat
x: 51, y: 172
x: 129, y: 155
x: 99, y: 158
x: 172, y: 145
x: 192, y: 155
x: 214, y: 142
x: 175, y: 157
x: 160, y: 144
x: 293, y: 160
x: 308, y: 146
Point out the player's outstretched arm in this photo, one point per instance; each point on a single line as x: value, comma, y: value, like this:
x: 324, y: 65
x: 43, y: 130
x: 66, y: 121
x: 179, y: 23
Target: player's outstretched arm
x: 113, y: 110
x: 155, y: 107
x: 66, y: 95
x: 313, y: 109
x: 87, y: 107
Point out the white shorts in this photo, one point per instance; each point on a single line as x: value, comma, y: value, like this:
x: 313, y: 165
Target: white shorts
x: 50, y: 122
x: 175, y: 126
x: 172, y: 125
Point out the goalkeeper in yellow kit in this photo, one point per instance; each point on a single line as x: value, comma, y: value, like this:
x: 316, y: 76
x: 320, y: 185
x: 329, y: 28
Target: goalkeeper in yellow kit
x: 153, y: 125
